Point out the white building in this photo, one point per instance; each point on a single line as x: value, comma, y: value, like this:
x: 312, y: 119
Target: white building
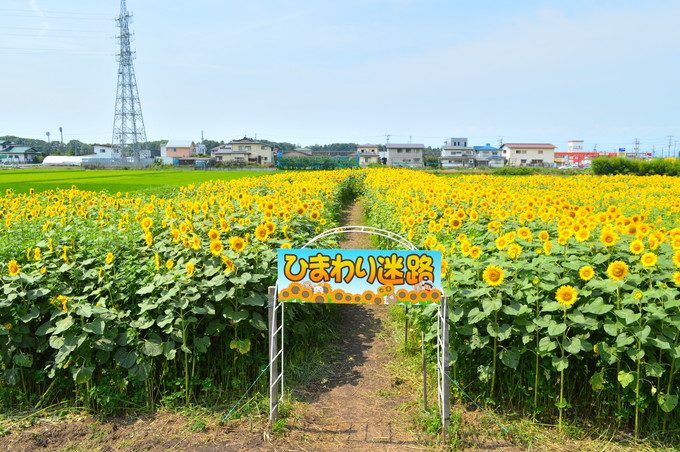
x: 399, y: 154
x: 575, y: 146
x: 456, y: 153
x: 528, y: 154
x: 368, y: 154
x: 106, y: 151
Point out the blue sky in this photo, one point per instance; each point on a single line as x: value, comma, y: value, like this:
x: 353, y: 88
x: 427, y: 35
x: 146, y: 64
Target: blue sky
x: 353, y: 70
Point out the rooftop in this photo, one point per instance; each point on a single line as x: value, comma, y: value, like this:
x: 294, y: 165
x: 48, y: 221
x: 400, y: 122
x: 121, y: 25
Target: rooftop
x: 405, y: 146
x: 530, y: 145
x: 179, y: 144
x: 19, y: 150
x: 246, y: 140
x: 486, y: 147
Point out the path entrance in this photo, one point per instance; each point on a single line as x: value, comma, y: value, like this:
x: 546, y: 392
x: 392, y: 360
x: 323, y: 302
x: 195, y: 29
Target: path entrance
x: 357, y: 407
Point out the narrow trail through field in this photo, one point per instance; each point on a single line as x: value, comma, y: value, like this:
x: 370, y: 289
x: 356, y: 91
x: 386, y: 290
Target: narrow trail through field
x: 357, y: 408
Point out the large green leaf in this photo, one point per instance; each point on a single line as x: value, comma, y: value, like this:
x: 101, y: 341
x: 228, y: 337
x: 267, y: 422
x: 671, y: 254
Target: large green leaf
x: 33, y: 314
x: 555, y: 329
x: 153, y: 346
x: 625, y: 378
x: 23, y: 360
x: 95, y: 327
x: 125, y: 359
x: 597, y: 381
x: 510, y: 357
x: 667, y: 402
x: 560, y: 363
x: 243, y: 345
x: 63, y: 325
x: 597, y: 306
x: 475, y: 315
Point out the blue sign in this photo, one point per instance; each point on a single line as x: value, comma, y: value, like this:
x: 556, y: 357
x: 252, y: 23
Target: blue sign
x: 359, y: 276
x: 622, y: 149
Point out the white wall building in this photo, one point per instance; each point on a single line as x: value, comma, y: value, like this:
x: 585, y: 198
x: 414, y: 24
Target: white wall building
x: 528, y: 154
x: 575, y: 146
x: 410, y: 154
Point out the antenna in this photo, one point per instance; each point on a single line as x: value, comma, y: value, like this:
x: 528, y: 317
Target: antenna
x: 128, y: 122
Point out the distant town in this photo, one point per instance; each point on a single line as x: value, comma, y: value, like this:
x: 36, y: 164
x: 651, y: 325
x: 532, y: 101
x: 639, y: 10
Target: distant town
x: 455, y: 153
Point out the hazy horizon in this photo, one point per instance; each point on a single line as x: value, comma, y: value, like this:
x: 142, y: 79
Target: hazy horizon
x: 315, y: 72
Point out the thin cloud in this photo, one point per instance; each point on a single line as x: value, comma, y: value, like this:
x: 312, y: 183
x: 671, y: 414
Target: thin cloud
x: 40, y: 13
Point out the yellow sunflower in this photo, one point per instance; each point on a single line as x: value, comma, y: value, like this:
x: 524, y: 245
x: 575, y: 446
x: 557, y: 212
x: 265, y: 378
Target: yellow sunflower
x: 514, y: 250
x: 13, y: 268
x: 617, y: 270
x: 648, y: 259
x: 237, y: 244
x: 637, y: 246
x: 261, y: 233
x: 566, y: 295
x: 493, y: 275
x: 609, y: 237
x: 190, y: 267
x: 216, y: 247
x: 586, y: 272
x: 676, y: 278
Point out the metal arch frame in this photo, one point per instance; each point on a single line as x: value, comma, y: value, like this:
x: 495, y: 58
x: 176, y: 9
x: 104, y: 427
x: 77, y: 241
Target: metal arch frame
x: 276, y: 330
x: 364, y: 230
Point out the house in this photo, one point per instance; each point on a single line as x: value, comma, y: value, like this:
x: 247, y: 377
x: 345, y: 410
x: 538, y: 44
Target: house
x: 298, y: 152
x: 225, y: 153
x: 528, y: 154
x: 456, y: 153
x: 368, y: 154
x: 258, y: 152
x: 410, y: 154
x: 106, y: 151
x: 12, y: 154
x: 487, y: 155
x: 178, y: 148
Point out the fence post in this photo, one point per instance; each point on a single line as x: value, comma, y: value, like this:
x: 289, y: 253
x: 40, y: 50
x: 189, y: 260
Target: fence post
x: 273, y: 361
x: 424, y: 364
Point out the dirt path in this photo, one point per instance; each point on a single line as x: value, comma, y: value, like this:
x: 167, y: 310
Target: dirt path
x: 358, y: 407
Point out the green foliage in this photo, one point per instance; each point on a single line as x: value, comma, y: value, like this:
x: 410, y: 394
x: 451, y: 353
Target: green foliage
x: 316, y: 163
x: 149, y: 181
x: 621, y: 165
x: 125, y: 331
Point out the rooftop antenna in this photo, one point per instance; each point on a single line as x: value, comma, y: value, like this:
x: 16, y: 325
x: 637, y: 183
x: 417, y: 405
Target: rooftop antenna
x: 128, y: 122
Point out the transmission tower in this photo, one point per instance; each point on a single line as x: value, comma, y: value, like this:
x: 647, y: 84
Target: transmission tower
x: 128, y: 123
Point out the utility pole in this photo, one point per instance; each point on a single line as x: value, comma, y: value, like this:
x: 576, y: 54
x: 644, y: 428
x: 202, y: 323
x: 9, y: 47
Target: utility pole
x: 636, y: 145
x: 48, y: 138
x: 61, y: 132
x: 128, y: 123
x: 387, y: 138
x: 670, y: 144
x: 500, y: 142
x: 409, y: 139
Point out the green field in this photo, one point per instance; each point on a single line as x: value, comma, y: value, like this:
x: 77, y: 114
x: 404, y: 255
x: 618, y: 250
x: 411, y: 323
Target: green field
x: 22, y: 180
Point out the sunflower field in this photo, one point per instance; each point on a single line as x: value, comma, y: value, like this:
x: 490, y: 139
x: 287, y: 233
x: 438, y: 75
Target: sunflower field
x: 121, y: 301
x: 564, y: 291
